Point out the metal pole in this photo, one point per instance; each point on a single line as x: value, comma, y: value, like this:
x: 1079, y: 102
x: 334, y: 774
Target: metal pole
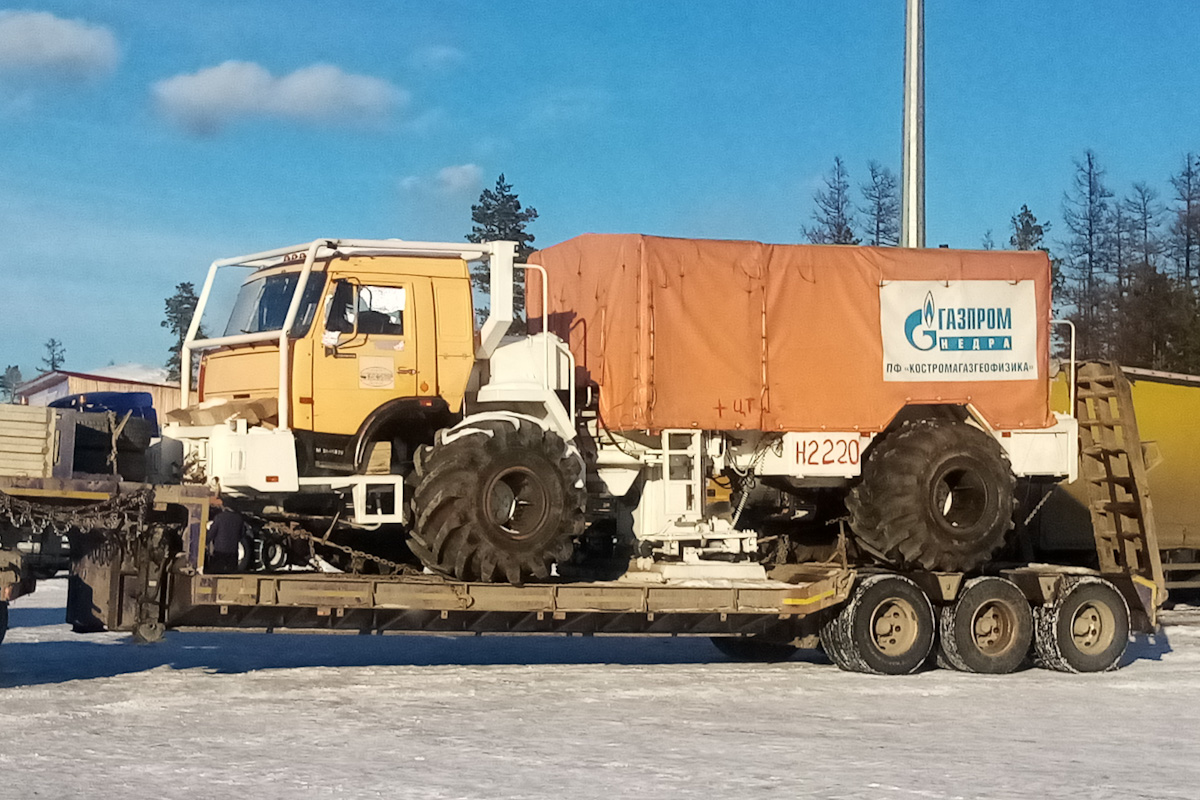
x: 912, y: 214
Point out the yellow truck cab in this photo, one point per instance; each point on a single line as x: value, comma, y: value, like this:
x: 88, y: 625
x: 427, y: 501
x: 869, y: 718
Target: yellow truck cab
x: 380, y: 349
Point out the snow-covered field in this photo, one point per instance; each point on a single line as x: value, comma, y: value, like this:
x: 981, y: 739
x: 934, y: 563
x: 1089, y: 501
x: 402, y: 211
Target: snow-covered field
x: 247, y: 715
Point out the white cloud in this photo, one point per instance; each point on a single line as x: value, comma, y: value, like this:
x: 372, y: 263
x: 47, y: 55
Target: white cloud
x: 569, y: 107
x: 39, y: 43
x: 453, y: 182
x: 204, y: 102
x: 437, y: 56
x: 459, y: 179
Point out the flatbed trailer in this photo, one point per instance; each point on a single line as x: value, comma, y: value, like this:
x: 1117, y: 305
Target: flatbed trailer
x: 135, y: 577
x: 138, y: 564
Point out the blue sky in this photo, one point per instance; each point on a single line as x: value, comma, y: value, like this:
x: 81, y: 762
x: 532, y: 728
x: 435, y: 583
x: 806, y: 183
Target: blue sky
x: 143, y: 140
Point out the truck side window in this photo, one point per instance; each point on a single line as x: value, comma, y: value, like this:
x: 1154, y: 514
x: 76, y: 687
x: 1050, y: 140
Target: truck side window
x: 381, y: 310
x: 340, y: 315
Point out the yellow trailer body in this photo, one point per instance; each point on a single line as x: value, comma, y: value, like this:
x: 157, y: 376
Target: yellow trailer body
x: 1168, y: 416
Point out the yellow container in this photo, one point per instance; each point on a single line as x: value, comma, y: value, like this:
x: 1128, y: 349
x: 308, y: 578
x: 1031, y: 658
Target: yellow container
x: 1168, y: 415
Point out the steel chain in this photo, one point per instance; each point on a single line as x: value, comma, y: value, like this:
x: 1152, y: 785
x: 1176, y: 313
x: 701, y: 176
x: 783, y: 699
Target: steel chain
x: 358, y: 558
x: 121, y: 516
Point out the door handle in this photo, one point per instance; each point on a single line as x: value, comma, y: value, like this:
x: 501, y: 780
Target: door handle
x: 406, y: 370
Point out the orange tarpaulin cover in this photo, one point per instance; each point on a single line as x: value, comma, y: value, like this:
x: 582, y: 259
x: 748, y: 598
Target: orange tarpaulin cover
x: 728, y: 335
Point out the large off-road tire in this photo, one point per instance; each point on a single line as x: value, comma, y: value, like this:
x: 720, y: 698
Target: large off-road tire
x: 887, y: 627
x: 934, y: 495
x: 988, y: 628
x: 1085, y: 630
x: 497, y: 500
x: 752, y: 648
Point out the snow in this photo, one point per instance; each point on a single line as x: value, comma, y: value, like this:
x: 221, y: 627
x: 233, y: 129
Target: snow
x: 226, y: 715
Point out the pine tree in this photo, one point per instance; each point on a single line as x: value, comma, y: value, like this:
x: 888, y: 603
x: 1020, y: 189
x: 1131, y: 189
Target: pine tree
x: 882, y: 210
x: 56, y: 355
x: 9, y: 382
x: 179, y: 309
x: 498, y: 216
x: 1027, y: 232
x: 833, y: 215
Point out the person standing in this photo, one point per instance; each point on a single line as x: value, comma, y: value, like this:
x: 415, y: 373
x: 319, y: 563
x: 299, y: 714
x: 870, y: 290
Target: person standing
x: 224, y: 536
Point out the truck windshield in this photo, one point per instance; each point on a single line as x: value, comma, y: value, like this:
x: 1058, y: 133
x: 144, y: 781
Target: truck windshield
x: 262, y: 304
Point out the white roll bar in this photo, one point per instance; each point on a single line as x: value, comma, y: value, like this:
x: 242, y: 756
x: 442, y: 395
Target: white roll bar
x: 1071, y: 377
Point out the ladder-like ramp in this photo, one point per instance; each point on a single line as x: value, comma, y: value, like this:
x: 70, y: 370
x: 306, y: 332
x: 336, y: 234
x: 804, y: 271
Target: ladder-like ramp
x: 1113, y: 469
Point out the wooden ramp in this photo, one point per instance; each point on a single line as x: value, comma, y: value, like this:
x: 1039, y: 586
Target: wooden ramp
x: 1113, y: 469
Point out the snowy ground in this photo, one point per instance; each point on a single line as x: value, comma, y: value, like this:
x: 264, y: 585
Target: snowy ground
x: 278, y: 716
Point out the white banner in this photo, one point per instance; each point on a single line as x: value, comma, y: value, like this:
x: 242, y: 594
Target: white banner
x: 961, y: 331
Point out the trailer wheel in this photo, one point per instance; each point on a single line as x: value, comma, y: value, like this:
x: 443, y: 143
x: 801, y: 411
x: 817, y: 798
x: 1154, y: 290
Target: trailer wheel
x: 1085, y: 630
x: 887, y: 627
x: 245, y: 551
x: 934, y: 495
x: 831, y: 644
x: 752, y: 648
x: 148, y: 632
x: 496, y: 500
x: 988, y: 629
x: 274, y: 555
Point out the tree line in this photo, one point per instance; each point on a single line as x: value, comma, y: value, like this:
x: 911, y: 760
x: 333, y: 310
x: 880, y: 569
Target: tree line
x: 1126, y: 272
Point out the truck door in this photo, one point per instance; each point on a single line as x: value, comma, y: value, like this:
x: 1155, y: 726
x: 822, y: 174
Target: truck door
x: 368, y: 354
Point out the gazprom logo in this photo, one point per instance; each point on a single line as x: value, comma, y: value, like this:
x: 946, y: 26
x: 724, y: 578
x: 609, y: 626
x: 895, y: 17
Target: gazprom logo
x: 955, y: 329
x: 922, y: 319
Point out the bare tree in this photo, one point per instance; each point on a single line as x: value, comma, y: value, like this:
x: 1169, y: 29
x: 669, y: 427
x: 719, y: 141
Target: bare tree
x: 1087, y: 217
x: 834, y: 215
x: 1184, y: 236
x: 882, y: 208
x: 1119, y: 244
x: 1145, y: 221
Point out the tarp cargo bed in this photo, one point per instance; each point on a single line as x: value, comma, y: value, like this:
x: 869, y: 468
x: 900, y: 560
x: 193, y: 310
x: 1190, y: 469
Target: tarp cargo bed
x: 721, y: 335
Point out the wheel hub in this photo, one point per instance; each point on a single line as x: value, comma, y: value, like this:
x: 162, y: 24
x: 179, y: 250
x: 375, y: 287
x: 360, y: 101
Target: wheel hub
x: 894, y: 626
x: 993, y: 628
x: 1093, y: 627
x: 516, y: 502
x: 960, y: 497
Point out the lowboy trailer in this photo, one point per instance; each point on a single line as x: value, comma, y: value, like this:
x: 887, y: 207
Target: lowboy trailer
x: 137, y: 566
x: 778, y: 446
